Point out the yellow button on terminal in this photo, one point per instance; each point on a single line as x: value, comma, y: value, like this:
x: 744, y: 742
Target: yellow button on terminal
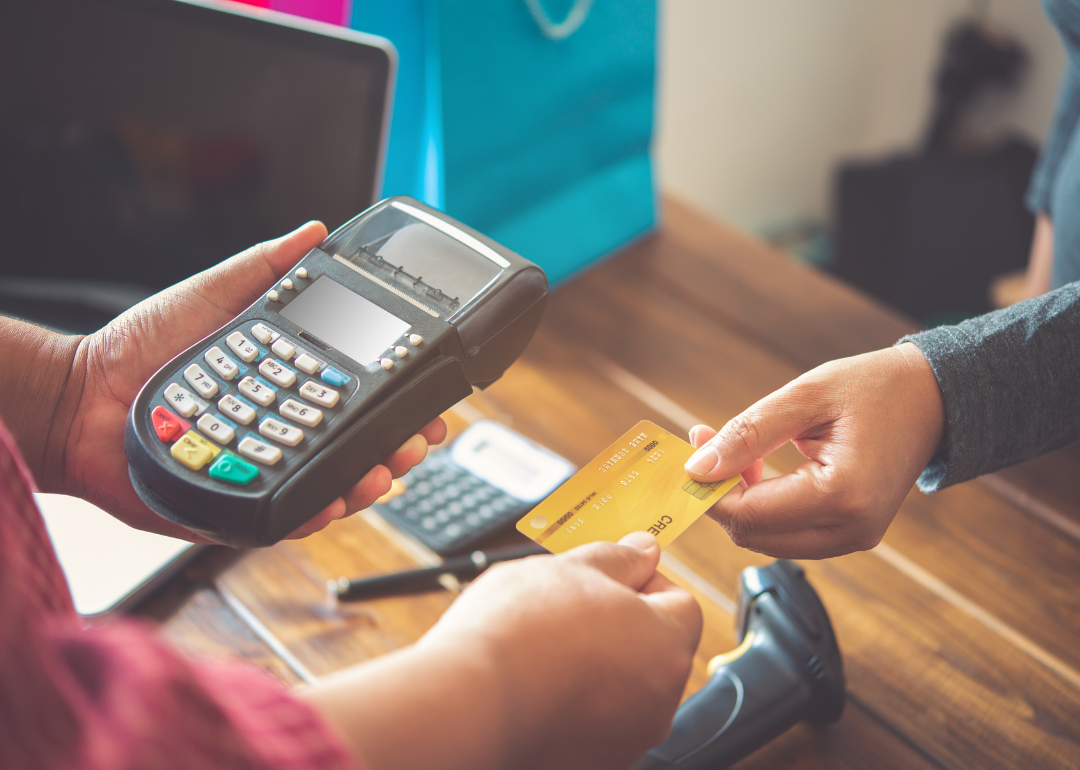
x: 193, y: 451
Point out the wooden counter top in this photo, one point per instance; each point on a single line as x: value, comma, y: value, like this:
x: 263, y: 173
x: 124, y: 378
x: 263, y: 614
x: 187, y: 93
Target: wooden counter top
x: 959, y: 632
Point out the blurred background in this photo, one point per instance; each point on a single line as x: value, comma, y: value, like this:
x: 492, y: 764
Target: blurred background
x: 889, y: 142
x: 761, y: 106
x: 760, y: 102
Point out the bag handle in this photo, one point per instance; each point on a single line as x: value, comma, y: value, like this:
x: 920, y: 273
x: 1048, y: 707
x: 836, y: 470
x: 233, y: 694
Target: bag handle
x: 565, y: 28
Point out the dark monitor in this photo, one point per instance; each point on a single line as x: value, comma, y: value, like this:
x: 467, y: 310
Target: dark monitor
x: 142, y: 141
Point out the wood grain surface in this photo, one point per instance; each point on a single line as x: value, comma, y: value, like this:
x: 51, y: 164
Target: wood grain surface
x: 959, y: 631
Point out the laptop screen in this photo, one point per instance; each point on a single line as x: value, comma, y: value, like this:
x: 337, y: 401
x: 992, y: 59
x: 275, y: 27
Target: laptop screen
x: 144, y: 140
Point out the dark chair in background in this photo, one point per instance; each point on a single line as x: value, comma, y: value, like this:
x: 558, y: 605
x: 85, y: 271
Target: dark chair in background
x: 928, y: 231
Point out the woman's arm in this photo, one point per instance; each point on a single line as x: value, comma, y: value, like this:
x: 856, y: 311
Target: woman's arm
x: 947, y: 405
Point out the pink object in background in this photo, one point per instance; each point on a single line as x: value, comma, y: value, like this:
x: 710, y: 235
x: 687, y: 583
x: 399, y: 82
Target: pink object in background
x: 331, y: 11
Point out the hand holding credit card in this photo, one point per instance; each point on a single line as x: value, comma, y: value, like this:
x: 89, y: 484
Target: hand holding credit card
x: 636, y: 484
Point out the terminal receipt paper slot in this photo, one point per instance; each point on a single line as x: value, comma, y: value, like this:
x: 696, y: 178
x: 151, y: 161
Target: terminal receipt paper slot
x: 388, y: 323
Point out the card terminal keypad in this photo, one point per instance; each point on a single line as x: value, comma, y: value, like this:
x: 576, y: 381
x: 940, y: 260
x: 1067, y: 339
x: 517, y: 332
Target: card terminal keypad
x: 447, y: 507
x: 395, y: 317
x: 236, y: 410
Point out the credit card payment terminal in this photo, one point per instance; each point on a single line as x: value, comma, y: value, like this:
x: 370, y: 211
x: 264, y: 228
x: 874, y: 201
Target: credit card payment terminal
x: 388, y: 323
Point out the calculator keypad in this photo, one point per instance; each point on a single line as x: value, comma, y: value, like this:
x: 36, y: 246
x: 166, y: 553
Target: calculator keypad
x: 262, y: 412
x: 447, y: 507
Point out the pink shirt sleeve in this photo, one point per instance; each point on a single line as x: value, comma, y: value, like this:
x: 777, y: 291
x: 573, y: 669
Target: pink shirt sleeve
x: 114, y: 696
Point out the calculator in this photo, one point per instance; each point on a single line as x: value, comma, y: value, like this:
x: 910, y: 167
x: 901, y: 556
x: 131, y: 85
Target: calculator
x: 389, y: 322
x: 489, y: 478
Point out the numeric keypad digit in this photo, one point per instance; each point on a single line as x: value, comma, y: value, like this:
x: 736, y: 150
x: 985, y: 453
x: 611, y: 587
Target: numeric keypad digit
x: 319, y: 394
x: 305, y: 414
x: 221, y: 363
x: 242, y: 346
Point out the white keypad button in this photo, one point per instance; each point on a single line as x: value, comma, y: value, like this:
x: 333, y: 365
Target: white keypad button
x: 242, y: 346
x: 273, y: 296
x: 386, y: 363
x: 276, y: 373
x: 181, y: 400
x: 283, y: 349
x: 236, y: 409
x: 287, y: 284
x: 319, y: 394
x: 287, y: 434
x: 262, y: 333
x: 256, y: 391
x: 306, y: 363
x: 401, y: 351
x: 301, y: 272
x: 215, y: 428
x: 416, y: 339
x: 221, y: 363
x: 259, y: 450
x: 204, y: 384
x: 305, y: 414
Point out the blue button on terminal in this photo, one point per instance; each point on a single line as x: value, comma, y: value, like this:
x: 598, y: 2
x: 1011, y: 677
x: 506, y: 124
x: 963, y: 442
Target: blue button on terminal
x: 332, y: 376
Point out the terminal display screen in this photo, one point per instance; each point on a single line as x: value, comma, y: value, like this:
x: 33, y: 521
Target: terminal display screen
x: 343, y: 319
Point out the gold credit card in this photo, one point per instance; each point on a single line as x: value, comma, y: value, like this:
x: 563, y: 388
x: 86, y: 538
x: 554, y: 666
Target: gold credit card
x: 636, y: 484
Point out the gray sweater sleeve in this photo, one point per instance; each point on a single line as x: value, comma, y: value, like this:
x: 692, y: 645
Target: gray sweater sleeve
x: 1010, y: 380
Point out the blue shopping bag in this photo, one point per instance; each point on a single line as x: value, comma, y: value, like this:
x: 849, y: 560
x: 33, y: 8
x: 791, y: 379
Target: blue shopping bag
x: 530, y: 120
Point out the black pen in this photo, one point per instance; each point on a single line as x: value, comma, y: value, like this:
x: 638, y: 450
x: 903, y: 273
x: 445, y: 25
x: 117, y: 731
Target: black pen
x: 463, y: 567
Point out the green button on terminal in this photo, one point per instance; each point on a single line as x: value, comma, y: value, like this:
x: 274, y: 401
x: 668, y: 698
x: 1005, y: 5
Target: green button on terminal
x: 230, y: 468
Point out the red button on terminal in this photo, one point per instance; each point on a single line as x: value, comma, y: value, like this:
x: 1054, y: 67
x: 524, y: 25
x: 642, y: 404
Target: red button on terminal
x: 167, y: 425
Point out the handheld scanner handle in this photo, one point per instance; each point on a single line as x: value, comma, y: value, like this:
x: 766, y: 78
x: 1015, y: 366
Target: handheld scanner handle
x: 779, y: 675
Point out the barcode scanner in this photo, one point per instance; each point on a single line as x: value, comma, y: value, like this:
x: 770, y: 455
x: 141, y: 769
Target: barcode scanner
x: 786, y: 669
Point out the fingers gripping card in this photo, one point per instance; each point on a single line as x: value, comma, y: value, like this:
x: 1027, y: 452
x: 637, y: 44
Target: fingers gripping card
x: 636, y: 484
